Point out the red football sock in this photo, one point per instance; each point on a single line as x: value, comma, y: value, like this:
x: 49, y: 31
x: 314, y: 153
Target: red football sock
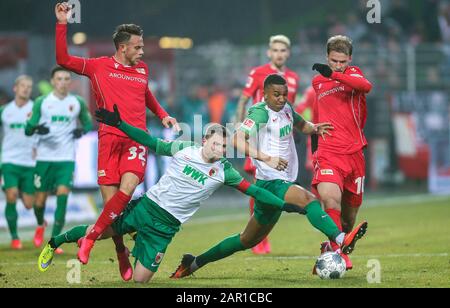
x: 118, y: 241
x: 336, y: 217
x: 252, y: 206
x: 112, y: 209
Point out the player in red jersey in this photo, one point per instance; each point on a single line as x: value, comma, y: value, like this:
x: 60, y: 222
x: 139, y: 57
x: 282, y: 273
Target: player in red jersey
x: 307, y: 109
x: 123, y: 80
x: 339, y: 164
x: 278, y: 53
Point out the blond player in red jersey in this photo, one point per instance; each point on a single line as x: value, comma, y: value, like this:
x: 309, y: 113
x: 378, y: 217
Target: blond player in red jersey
x: 339, y: 164
x: 123, y: 80
x: 278, y: 53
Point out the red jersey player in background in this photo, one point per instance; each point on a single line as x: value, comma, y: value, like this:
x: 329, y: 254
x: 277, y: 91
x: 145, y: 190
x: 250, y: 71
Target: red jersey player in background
x: 306, y: 107
x: 278, y: 53
x: 339, y: 164
x: 123, y: 80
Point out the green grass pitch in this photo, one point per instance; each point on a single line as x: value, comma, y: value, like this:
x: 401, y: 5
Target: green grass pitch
x: 410, y: 240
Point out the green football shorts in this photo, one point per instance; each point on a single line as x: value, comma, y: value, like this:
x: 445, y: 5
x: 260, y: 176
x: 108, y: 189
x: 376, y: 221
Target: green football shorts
x: 18, y: 176
x: 155, y: 229
x: 49, y: 175
x: 265, y: 214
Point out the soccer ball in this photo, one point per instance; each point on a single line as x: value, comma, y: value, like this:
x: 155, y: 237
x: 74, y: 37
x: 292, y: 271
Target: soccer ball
x: 330, y: 265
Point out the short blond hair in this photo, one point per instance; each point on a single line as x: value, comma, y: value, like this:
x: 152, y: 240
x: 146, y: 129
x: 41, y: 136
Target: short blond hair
x: 280, y: 39
x: 340, y: 43
x: 22, y: 78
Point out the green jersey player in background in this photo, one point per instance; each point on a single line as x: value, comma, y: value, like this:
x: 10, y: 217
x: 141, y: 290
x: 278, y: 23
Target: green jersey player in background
x: 194, y: 174
x: 17, y: 154
x: 55, y: 118
x: 270, y: 125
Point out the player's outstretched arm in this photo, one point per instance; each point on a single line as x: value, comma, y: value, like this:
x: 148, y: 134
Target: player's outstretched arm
x: 152, y: 103
x: 157, y: 145
x: 234, y: 179
x: 113, y: 119
x: 309, y: 128
x: 76, y: 64
x: 268, y: 199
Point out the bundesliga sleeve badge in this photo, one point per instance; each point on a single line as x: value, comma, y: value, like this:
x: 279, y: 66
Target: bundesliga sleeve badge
x: 248, y: 124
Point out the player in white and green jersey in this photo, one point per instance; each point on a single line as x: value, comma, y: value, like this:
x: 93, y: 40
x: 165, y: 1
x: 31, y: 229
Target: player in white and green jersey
x: 17, y: 154
x: 271, y: 125
x: 194, y: 174
x: 55, y: 118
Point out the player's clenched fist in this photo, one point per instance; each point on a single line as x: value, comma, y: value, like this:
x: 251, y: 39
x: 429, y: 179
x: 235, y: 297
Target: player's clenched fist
x: 323, y: 69
x: 62, y: 11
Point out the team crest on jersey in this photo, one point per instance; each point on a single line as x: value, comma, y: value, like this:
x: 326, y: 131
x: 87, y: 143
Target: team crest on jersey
x: 159, y: 257
x: 213, y: 172
x: 291, y: 80
x: 29, y: 115
x: 141, y: 71
x: 71, y: 107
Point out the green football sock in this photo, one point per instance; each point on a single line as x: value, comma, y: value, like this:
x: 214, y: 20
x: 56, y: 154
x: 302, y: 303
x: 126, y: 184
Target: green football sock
x: 321, y: 221
x: 60, y: 214
x: 11, y: 217
x: 71, y: 236
x: 39, y: 213
x: 222, y: 250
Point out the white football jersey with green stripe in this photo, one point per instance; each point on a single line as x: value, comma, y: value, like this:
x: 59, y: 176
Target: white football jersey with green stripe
x: 272, y: 133
x: 16, y: 147
x: 189, y: 180
x: 60, y: 116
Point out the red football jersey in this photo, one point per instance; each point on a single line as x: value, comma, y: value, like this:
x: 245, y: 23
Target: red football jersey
x: 113, y: 83
x: 341, y: 101
x: 255, y: 83
x: 308, y: 101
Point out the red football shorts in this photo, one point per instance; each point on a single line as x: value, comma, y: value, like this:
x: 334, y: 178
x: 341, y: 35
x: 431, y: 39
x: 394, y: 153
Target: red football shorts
x: 118, y: 155
x: 345, y: 170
